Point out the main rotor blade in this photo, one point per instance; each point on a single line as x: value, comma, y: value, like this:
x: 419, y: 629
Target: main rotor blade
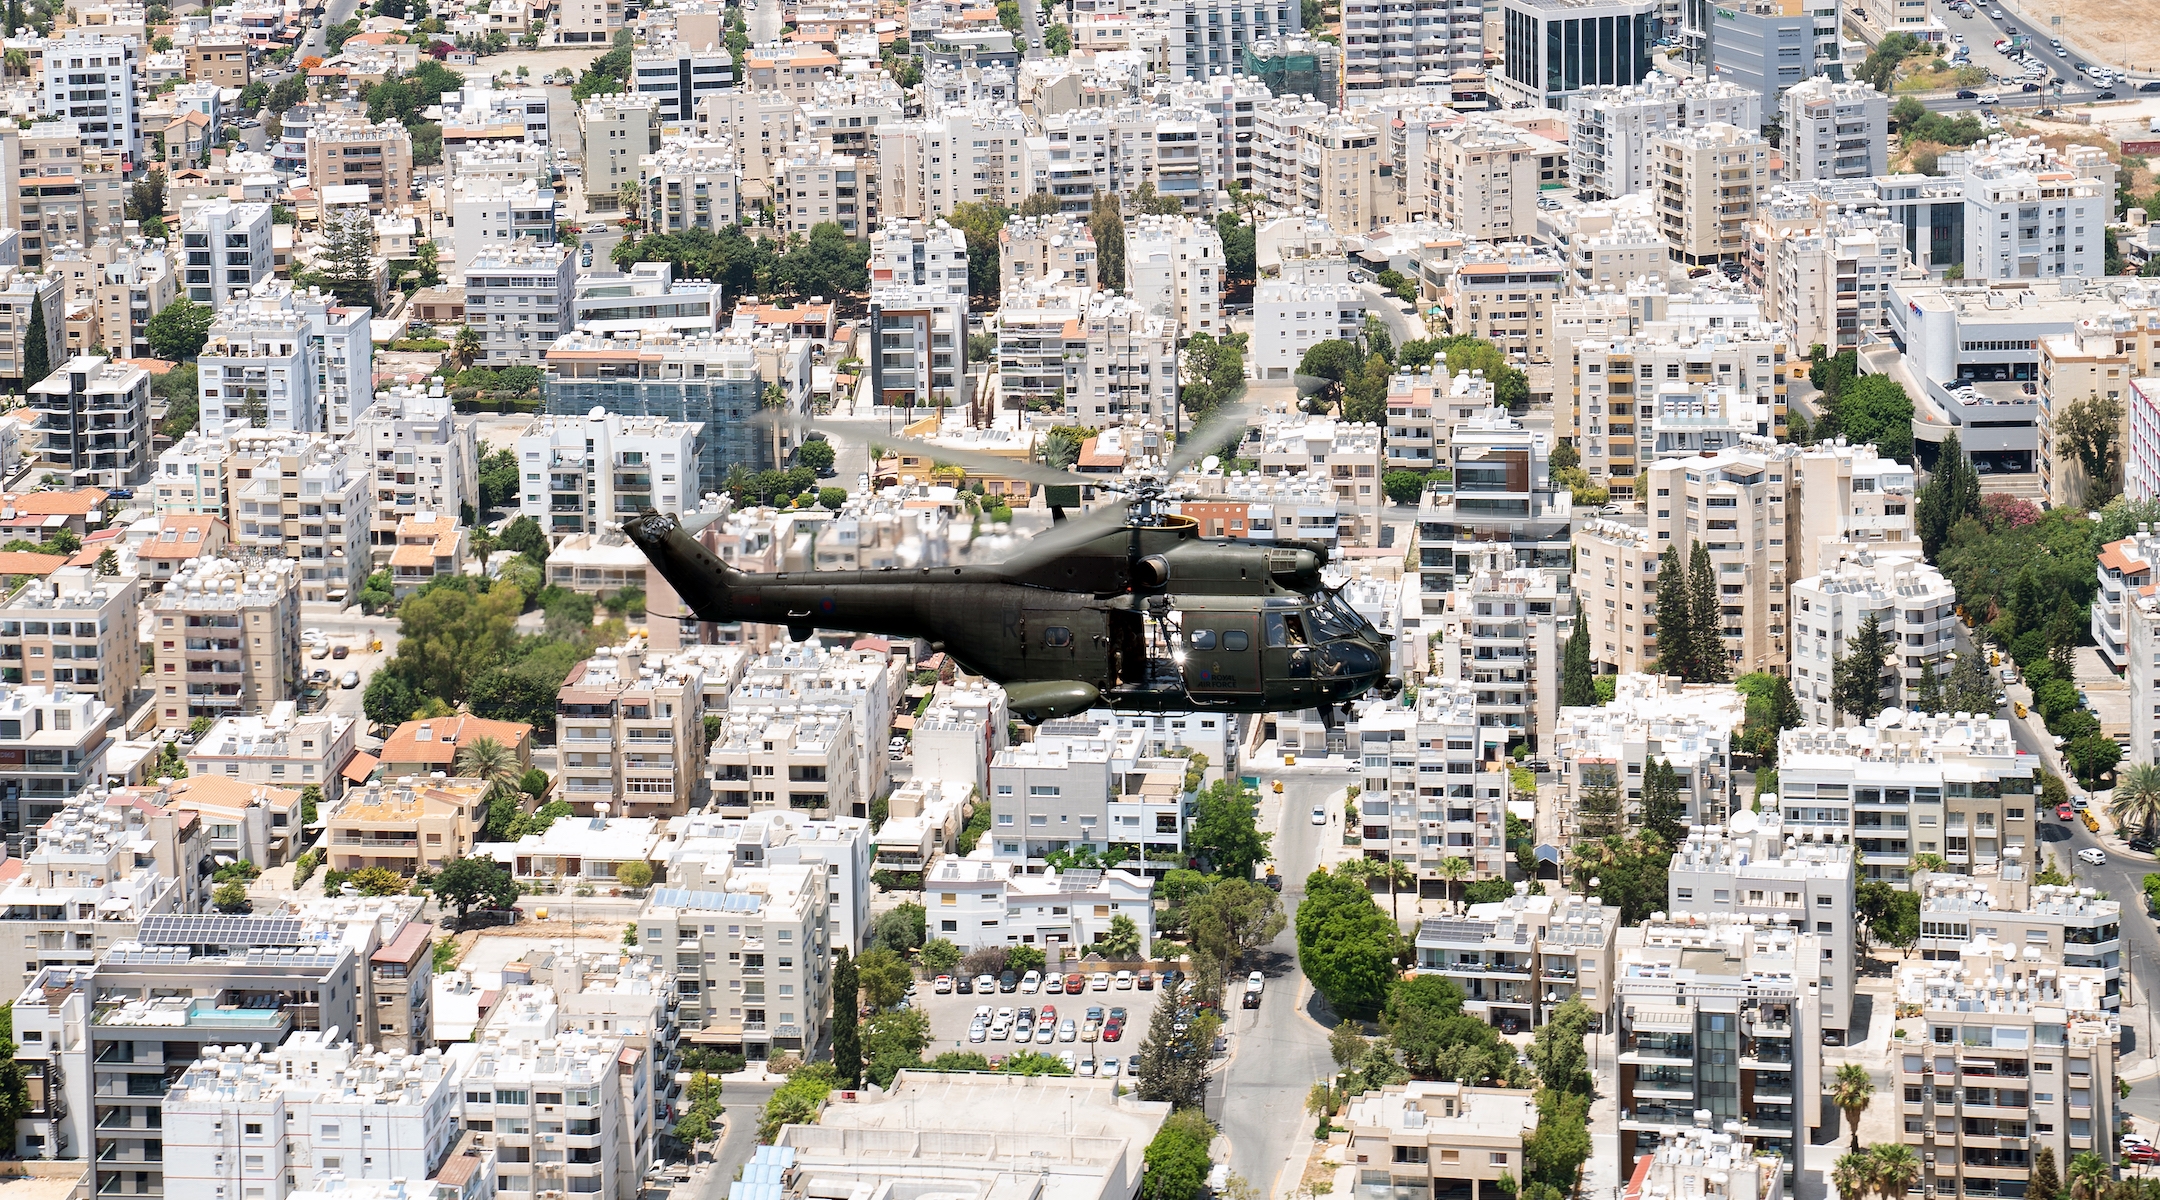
x: 1226, y: 423
x: 976, y: 461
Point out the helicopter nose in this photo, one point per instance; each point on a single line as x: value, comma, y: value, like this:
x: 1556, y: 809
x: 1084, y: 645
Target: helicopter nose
x: 1351, y: 660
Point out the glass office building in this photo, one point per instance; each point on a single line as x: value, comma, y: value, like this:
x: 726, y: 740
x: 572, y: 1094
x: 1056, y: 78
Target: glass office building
x: 1556, y: 48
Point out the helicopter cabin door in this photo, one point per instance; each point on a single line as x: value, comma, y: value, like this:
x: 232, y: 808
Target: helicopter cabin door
x: 1222, y: 654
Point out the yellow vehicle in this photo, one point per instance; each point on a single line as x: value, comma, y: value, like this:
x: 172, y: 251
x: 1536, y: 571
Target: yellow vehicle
x: 1289, y: 760
x: 2092, y: 823
x: 1278, y: 787
x: 2018, y: 706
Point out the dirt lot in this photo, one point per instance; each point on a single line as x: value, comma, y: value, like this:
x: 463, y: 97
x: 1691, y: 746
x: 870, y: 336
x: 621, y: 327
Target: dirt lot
x: 2121, y: 33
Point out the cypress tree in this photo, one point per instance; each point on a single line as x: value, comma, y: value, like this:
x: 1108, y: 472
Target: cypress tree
x: 1927, y: 697
x: 1577, y: 687
x: 846, y: 1037
x: 1856, y: 678
x: 2043, y: 1183
x: 1705, y: 620
x: 1675, y: 636
x: 37, y: 356
x: 1664, y: 814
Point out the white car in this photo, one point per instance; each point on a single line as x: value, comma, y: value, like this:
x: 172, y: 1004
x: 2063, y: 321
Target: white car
x: 1099, y: 981
x: 1124, y: 981
x: 986, y: 985
x: 1255, y: 981
x: 1109, y: 1068
x: 1319, y: 815
x: 1067, y: 1031
x: 1086, y: 1070
x: 1031, y: 982
x: 1023, y: 1034
x: 2092, y: 854
x: 983, y: 1013
x: 977, y: 1032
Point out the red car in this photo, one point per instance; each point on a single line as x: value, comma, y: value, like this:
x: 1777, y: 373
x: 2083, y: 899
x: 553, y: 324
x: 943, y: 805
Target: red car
x: 2064, y: 812
x: 2146, y: 1155
x: 1112, y: 1032
x: 1048, y: 1013
x: 1075, y: 984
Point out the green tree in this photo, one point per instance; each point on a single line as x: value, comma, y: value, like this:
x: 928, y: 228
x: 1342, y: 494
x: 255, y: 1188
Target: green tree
x: 490, y: 761
x: 1173, y: 1065
x: 1177, y: 1166
x: 1240, y: 254
x: 1122, y: 941
x: 1403, y: 486
x: 1856, y: 677
x: 1889, y: 915
x: 882, y: 977
x: 1557, y: 1048
x: 1225, y: 833
x: 1225, y: 923
x: 387, y: 700
x: 466, y: 882
x: 816, y: 454
x: 797, y: 1101
x: 828, y: 263
x: 14, y: 1080
x: 899, y: 929
x: 634, y: 875
x: 346, y: 261
x: 2090, y: 428
x: 1851, y: 1091
x: 1106, y: 222
x: 178, y: 331
x: 1675, y: 630
x: 1875, y: 409
x: 1599, y: 810
x: 1511, y: 387
x: 980, y: 223
x: 379, y: 881
x: 1706, y: 619
x: 2044, y: 1183
x: 1578, y: 677
x: 893, y: 1041
x: 1554, y: 1155
x: 1335, y: 360
x: 1346, y: 945
x: 846, y: 1037
x: 939, y: 956
x: 230, y: 897
x: 1664, y: 813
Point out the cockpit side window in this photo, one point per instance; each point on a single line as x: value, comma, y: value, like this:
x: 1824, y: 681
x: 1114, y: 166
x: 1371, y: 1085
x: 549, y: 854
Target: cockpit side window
x: 1201, y: 639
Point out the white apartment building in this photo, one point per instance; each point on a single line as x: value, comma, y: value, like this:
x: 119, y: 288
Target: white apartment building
x: 2141, y: 653
x: 701, y: 849
x: 1428, y: 794
x: 89, y: 79
x: 1483, y: 181
x: 648, y: 300
x: 586, y: 475
x: 1702, y: 995
x: 487, y: 214
x: 1502, y: 633
x: 1518, y: 959
x: 532, y: 1075
x: 226, y: 251
x: 2059, y: 922
x: 818, y: 186
x: 691, y: 183
x: 2008, y: 1053
x: 1398, y: 45
x: 1735, y: 504
x: 1051, y: 248
x: 926, y: 260
x: 1832, y: 282
x: 1953, y: 784
x: 751, y: 960
x: 518, y: 298
x: 1500, y: 492
x: 95, y: 418
x: 279, y: 748
x: 85, y: 884
x: 1174, y: 268
x: 1745, y: 867
x: 981, y: 901
x: 2027, y: 217
x: 75, y: 628
x: 1084, y: 783
x: 1836, y: 130
x: 1305, y: 305
x: 676, y: 77
x: 1651, y: 719
x: 1610, y: 128
x: 2125, y: 571
x: 422, y: 461
x: 274, y: 1121
x: 285, y: 361
x: 61, y: 738
x: 322, y: 524
x: 1203, y: 38
x: 1913, y: 605
x: 798, y: 757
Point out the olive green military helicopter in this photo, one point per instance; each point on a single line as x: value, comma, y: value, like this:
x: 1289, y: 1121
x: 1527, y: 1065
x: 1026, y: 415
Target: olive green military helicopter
x: 1127, y: 607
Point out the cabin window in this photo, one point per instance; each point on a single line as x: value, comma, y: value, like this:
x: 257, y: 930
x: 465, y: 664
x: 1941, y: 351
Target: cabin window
x: 1236, y: 639
x: 1202, y: 639
x: 1057, y: 635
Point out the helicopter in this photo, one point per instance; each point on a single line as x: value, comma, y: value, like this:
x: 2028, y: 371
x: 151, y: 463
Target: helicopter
x: 1128, y: 607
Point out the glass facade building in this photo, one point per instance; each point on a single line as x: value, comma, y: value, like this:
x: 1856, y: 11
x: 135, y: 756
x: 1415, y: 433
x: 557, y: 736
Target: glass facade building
x: 1555, y: 48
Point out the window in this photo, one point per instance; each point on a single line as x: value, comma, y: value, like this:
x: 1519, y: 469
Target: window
x: 1202, y: 639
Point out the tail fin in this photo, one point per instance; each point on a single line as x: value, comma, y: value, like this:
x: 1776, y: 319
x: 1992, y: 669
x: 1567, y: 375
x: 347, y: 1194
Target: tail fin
x: 698, y: 576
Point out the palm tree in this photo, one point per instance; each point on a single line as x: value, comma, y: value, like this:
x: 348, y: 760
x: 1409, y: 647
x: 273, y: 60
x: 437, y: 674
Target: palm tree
x: 1897, y: 1170
x: 467, y: 347
x: 2136, y: 802
x: 2088, y: 1176
x: 489, y: 761
x: 1930, y: 862
x: 1851, y: 1093
x: 1853, y: 1176
x: 1398, y: 876
x: 1452, y: 870
x: 1359, y: 870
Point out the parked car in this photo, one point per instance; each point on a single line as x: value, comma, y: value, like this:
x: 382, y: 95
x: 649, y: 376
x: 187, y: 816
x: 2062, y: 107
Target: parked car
x: 1124, y: 981
x: 2064, y: 812
x: 1054, y: 986
x: 1075, y: 984
x: 350, y: 680
x: 964, y: 985
x: 1031, y: 983
x: 2150, y: 85
x: 1099, y: 981
x: 986, y: 984
x: 1008, y: 982
x: 1145, y: 981
x: 340, y: 651
x: 2094, y: 855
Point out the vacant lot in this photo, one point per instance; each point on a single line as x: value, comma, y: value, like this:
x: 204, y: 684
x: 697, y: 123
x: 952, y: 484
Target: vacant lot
x: 2119, y: 33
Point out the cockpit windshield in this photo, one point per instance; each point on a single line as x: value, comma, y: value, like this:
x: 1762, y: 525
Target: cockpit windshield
x: 1333, y: 618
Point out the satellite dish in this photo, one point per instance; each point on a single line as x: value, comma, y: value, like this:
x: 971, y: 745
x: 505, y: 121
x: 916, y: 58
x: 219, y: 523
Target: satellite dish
x: 1744, y: 821
x: 1891, y: 717
x: 1210, y: 464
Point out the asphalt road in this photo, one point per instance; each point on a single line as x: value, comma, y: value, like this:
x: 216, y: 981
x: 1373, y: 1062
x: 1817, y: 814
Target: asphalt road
x: 1279, y: 1050
x: 742, y: 1102
x: 1031, y: 27
x: 1981, y: 31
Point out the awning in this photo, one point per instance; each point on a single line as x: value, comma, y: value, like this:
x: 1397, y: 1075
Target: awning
x: 359, y: 767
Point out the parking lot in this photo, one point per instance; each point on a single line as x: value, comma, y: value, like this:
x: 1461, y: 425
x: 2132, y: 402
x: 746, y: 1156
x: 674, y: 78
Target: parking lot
x: 950, y: 1016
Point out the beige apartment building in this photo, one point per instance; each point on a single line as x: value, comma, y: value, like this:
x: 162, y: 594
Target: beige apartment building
x: 219, y: 60
x: 617, y: 132
x: 1438, y: 1138
x: 77, y: 629
x: 62, y: 189
x: 2095, y: 360
x: 225, y: 639
x: 405, y: 825
x: 1485, y: 181
x: 632, y: 734
x: 353, y: 151
x: 301, y: 496
x: 1617, y: 380
x: 1708, y: 181
x: 1505, y: 294
x: 1339, y: 166
x: 1735, y: 504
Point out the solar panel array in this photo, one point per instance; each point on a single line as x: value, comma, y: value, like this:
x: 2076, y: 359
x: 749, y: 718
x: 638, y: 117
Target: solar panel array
x: 203, y: 929
x: 709, y: 901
